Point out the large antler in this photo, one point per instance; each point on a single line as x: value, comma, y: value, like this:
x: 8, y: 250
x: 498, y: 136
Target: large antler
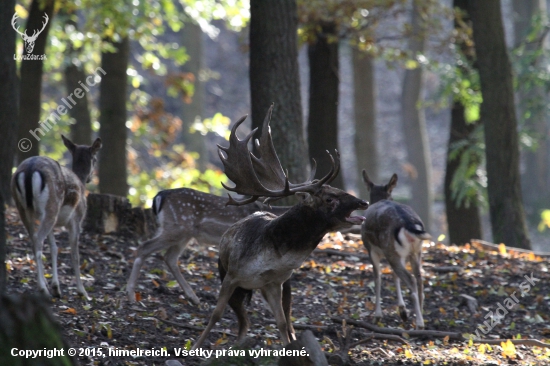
x: 16, y: 27
x: 263, y: 176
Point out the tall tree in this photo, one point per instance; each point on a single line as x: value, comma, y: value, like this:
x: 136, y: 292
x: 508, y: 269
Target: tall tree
x: 499, y: 119
x: 274, y: 78
x: 364, y: 105
x: 463, y: 219
x: 322, y: 126
x: 8, y: 120
x: 113, y: 131
x: 81, y: 129
x: 31, y: 75
x: 414, y: 122
x: 192, y: 40
x: 532, y: 105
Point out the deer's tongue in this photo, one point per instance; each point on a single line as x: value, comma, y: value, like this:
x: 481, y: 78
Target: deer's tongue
x: 355, y: 220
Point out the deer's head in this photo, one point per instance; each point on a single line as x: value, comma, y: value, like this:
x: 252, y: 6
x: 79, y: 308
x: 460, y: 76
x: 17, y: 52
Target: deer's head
x: 29, y: 40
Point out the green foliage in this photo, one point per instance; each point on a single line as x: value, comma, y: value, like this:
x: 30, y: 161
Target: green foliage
x: 469, y: 182
x: 544, y: 220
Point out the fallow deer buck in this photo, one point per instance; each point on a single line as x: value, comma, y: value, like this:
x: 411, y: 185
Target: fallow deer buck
x: 394, y: 231
x: 48, y: 195
x: 185, y: 214
x: 262, y: 250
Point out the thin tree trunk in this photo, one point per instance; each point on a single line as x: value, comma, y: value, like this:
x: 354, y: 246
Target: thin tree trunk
x: 192, y: 40
x: 499, y: 118
x: 463, y: 222
x: 9, y: 98
x: 322, y: 127
x: 535, y: 177
x: 8, y: 121
x: 364, y: 86
x: 31, y: 79
x: 81, y: 129
x: 416, y: 135
x: 274, y: 78
x: 113, y: 132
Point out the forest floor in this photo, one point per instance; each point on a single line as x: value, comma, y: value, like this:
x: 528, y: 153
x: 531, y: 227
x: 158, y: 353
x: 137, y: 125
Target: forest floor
x: 327, y: 288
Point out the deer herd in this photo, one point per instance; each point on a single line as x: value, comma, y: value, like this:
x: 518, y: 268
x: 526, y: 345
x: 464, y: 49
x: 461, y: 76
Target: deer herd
x: 259, y: 246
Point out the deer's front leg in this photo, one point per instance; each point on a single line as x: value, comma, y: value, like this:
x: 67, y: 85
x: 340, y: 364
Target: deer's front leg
x: 171, y: 260
x: 55, y: 280
x: 225, y: 293
x: 287, y: 308
x: 74, y: 233
x: 375, y: 259
x: 273, y: 294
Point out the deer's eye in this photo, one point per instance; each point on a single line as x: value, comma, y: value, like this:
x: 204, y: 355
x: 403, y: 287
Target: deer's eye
x: 329, y: 200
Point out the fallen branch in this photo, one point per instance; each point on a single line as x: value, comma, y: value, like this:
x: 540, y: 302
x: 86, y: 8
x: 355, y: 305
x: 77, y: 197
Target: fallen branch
x: 446, y: 269
x: 525, y: 342
x: 411, y: 333
x: 194, y: 327
x: 485, y: 245
x: 300, y: 326
x: 389, y: 337
x: 341, y: 253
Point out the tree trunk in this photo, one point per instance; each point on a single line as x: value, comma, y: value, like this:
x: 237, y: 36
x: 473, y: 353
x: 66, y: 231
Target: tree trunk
x: 81, y: 129
x: 322, y: 126
x: 113, y: 132
x: 499, y: 118
x: 463, y: 222
x: 414, y: 123
x: 274, y: 78
x: 364, y: 85
x: 9, y: 102
x: 535, y: 178
x: 27, y: 323
x: 31, y: 80
x: 192, y: 40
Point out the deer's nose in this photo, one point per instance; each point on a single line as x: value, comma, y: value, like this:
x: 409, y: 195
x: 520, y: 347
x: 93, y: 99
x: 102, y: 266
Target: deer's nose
x: 363, y: 203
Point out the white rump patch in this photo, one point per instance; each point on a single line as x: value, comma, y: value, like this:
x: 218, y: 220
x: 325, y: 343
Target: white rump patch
x: 40, y: 197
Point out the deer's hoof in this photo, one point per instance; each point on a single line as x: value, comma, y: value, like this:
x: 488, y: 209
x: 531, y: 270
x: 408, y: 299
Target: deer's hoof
x: 403, y: 313
x: 56, y: 291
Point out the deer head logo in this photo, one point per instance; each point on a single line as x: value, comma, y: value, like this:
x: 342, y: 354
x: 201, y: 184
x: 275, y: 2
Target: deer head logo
x: 29, y: 40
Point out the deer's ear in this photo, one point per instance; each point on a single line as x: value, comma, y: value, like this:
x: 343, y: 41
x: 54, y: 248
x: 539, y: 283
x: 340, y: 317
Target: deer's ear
x: 367, y: 181
x: 392, y: 183
x: 96, y: 146
x: 68, y: 144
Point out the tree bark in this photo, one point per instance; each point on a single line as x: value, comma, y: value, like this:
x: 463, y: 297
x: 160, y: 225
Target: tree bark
x: 463, y: 222
x: 113, y: 132
x: 416, y: 135
x: 322, y: 127
x: 364, y: 86
x: 81, y: 129
x: 9, y: 96
x: 274, y: 78
x: 499, y: 119
x: 535, y: 177
x: 192, y: 40
x: 8, y: 121
x: 31, y: 79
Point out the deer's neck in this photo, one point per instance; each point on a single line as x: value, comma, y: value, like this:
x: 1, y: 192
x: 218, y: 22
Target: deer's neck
x: 301, y: 228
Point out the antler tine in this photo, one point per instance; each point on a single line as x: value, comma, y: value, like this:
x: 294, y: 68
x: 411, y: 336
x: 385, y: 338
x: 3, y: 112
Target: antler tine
x: 15, y: 26
x: 316, y: 184
x: 337, y: 170
x: 239, y: 165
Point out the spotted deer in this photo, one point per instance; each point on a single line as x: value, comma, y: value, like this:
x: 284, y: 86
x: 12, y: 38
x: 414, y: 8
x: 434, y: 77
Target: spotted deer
x: 183, y: 215
x: 46, y: 195
x: 262, y: 250
x: 394, y: 231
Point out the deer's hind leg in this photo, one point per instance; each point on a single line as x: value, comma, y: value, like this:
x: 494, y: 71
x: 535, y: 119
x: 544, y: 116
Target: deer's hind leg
x: 171, y: 259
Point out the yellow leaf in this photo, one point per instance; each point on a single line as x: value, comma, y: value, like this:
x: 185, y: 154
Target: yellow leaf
x: 411, y: 64
x: 502, y: 249
x: 482, y: 348
x: 442, y: 311
x: 508, y: 349
x: 408, y: 353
